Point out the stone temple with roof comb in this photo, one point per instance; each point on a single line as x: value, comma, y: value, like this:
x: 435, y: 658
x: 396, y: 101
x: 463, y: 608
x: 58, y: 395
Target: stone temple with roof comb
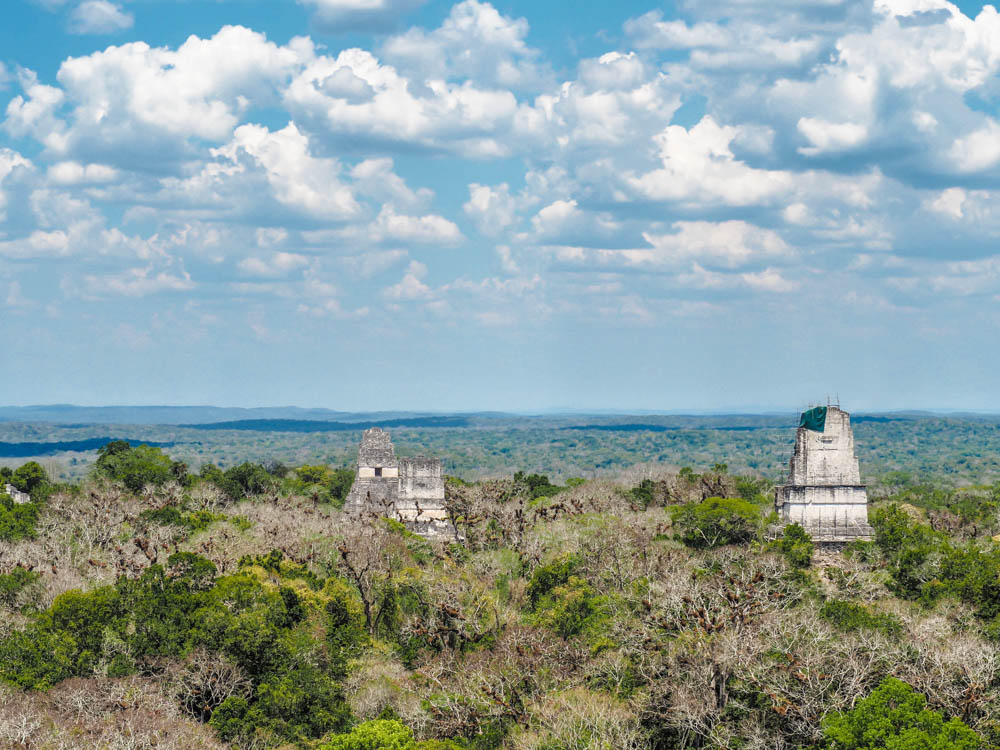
x: 824, y: 492
x: 410, y: 490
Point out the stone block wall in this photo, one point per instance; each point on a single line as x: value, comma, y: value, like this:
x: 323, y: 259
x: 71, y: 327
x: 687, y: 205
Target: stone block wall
x: 826, y: 458
x: 16, y: 495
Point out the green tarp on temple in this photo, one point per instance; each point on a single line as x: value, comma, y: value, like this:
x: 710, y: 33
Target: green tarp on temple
x: 814, y: 419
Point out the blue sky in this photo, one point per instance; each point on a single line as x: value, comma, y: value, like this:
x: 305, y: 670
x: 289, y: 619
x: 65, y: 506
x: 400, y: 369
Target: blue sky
x: 396, y: 204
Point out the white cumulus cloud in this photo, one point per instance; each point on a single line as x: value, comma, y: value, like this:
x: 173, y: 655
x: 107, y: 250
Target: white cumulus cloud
x: 99, y: 17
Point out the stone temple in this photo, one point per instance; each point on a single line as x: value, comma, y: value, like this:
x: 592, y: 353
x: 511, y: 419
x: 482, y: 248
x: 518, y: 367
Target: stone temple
x: 411, y: 490
x: 824, y: 492
x: 16, y: 495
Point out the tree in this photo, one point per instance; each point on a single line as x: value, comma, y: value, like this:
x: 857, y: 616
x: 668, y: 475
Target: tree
x: 368, y: 556
x: 382, y: 734
x: 319, y: 474
x: 134, y: 467
x: 17, y: 521
x: 246, y: 480
x: 29, y: 477
x: 716, y: 521
x: 379, y: 734
x: 896, y: 717
x: 796, y: 546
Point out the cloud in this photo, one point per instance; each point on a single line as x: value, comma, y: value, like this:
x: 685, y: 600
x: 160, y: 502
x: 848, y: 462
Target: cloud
x: 698, y: 165
x: 727, y: 244
x: 978, y: 150
x: 15, y: 298
x: 492, y: 210
x: 376, y: 179
x: 421, y: 229
x: 350, y: 15
x: 277, y: 265
x: 35, y: 115
x: 410, y: 287
x: 454, y: 117
x: 73, y: 173
x: 825, y: 137
x: 10, y: 160
x: 729, y: 47
x: 99, y: 17
x: 737, y: 152
x: 474, y: 42
x: 294, y: 177
x: 134, y: 282
x: 134, y: 105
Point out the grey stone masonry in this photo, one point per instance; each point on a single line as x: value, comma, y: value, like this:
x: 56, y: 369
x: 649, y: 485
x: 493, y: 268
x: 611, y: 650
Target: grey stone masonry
x: 824, y: 492
x: 16, y: 495
x: 410, y: 490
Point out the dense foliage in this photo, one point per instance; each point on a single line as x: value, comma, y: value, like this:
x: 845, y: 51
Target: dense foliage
x: 661, y: 612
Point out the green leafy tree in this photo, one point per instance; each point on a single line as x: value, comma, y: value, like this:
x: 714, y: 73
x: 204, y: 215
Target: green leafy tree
x: 13, y: 583
x: 570, y: 608
x: 17, y: 521
x: 538, y: 485
x: 796, y: 546
x: 909, y: 548
x: 314, y: 474
x: 716, y: 521
x: 246, y: 480
x: 378, y: 734
x: 547, y: 577
x: 896, y: 717
x: 340, y: 485
x: 642, y: 494
x: 134, y: 467
x: 29, y: 477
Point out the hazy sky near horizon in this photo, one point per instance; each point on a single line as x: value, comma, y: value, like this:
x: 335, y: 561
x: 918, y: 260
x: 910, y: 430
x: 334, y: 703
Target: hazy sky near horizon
x: 415, y: 204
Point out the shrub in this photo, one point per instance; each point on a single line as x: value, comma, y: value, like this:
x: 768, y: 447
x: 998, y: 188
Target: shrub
x: 715, y: 522
x: 13, y: 583
x: 547, y: 577
x: 848, y: 616
x: 642, y: 494
x: 538, y: 485
x: 170, y: 515
x: 569, y: 608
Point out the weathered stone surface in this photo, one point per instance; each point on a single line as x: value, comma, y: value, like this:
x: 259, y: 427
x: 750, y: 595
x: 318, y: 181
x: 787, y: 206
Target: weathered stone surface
x: 16, y: 495
x: 410, y: 490
x: 824, y: 491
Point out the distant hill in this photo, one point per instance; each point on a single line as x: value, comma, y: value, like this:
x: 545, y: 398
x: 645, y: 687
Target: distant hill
x: 177, y: 415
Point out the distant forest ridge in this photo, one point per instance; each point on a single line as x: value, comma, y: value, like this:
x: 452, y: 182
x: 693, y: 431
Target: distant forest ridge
x: 206, y: 417
x: 176, y: 415
x: 25, y: 450
x: 311, y: 425
x: 648, y: 427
